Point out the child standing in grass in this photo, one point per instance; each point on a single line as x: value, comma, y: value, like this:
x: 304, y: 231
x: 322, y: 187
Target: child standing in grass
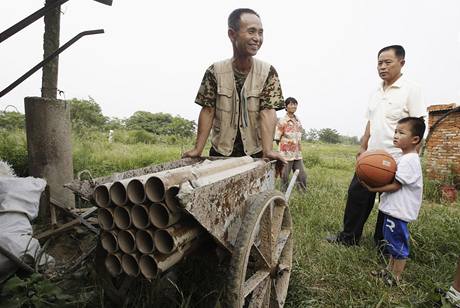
x: 401, y: 200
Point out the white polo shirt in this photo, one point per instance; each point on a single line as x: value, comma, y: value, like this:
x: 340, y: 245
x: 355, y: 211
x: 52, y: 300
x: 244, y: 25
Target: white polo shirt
x: 386, y: 107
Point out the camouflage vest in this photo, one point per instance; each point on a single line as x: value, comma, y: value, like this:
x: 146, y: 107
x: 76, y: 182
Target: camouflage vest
x: 231, y: 112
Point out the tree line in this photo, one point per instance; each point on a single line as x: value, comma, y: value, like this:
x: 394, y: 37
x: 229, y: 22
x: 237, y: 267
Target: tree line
x: 87, y: 114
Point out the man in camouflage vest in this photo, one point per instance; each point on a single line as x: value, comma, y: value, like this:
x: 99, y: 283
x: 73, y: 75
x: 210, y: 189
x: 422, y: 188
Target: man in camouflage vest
x: 239, y: 96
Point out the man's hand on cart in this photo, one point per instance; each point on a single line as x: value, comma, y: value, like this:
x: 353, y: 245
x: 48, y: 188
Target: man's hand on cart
x: 192, y: 153
x: 280, y: 161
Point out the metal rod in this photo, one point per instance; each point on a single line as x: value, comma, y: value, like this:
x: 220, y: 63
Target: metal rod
x: 136, y: 191
x: 48, y: 59
x: 29, y: 19
x: 291, y: 184
x: 16, y: 260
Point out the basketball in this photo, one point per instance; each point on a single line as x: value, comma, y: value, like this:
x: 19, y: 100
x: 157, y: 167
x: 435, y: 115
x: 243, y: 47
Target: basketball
x: 376, y: 168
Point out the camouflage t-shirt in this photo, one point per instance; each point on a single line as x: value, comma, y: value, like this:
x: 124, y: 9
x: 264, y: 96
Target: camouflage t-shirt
x: 271, y: 96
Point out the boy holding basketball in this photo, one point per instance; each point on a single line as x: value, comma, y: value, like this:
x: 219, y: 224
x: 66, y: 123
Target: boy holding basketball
x: 401, y: 200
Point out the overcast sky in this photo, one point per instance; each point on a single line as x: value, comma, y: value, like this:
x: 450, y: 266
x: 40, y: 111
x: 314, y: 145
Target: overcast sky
x: 153, y: 54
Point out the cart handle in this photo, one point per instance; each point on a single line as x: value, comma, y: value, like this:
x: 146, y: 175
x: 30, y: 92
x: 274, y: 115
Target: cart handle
x: 291, y: 185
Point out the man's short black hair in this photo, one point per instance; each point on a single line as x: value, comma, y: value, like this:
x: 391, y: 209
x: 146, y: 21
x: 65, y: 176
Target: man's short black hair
x: 398, y: 49
x: 417, y: 126
x: 290, y: 100
x: 235, y: 17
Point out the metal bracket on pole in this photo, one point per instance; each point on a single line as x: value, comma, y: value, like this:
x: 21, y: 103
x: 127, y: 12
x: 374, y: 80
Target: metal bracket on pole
x: 48, y: 59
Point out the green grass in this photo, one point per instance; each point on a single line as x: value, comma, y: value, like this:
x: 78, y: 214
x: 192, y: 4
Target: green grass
x: 324, y: 275
x: 331, y: 275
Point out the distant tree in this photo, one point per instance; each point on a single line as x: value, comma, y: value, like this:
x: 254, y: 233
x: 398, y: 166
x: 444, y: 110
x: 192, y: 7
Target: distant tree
x: 115, y: 123
x: 312, y: 135
x: 329, y: 135
x: 349, y: 140
x: 161, y: 123
x: 12, y: 120
x: 86, y: 113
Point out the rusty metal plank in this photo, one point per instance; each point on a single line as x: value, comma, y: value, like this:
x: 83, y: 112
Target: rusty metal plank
x: 220, y: 207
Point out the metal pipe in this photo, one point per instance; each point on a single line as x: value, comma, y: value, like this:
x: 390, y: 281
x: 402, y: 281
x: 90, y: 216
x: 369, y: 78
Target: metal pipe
x: 211, y: 167
x: 109, y: 241
x: 105, y: 218
x: 148, y: 266
x: 122, y: 217
x: 215, y: 177
x: 118, y: 192
x: 127, y: 240
x: 136, y: 191
x: 161, y: 217
x: 47, y: 60
x: 158, y: 183
x: 171, y: 200
x: 140, y: 216
x: 130, y: 264
x: 168, y: 240
x: 113, y: 263
x: 101, y: 195
x: 144, y: 240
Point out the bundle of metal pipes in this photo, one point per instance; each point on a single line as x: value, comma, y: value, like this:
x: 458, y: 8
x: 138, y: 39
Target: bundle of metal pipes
x: 145, y: 229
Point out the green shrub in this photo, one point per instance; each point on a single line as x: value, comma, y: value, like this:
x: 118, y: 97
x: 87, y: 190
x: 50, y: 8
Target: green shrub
x: 13, y: 149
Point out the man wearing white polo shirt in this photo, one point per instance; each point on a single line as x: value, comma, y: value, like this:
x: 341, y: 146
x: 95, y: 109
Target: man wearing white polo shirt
x: 395, y: 98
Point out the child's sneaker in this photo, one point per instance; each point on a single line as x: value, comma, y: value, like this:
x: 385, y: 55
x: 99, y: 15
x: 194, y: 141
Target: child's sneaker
x: 453, y: 297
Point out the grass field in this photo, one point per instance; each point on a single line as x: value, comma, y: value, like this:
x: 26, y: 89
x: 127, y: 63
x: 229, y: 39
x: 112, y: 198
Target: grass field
x: 324, y: 275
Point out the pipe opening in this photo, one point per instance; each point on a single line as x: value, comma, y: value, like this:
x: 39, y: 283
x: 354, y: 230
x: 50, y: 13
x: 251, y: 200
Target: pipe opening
x: 171, y: 199
x: 130, y: 265
x: 118, y: 194
x: 140, y: 216
x: 155, y: 189
x: 164, y: 241
x: 136, y: 191
x: 105, y: 218
x: 109, y: 241
x: 113, y: 264
x: 144, y: 241
x: 148, y: 266
x: 101, y: 196
x: 159, y: 215
x: 122, y: 217
x: 126, y: 241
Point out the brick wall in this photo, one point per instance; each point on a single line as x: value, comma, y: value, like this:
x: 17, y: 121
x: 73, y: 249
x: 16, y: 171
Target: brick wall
x: 442, y: 152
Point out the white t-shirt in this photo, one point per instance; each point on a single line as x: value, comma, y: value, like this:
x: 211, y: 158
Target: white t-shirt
x: 405, y: 203
x: 386, y: 107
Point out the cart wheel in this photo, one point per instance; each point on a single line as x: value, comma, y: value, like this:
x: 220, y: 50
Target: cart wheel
x: 262, y: 258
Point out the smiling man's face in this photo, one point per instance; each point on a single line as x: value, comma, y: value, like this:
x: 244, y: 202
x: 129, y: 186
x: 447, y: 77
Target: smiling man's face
x: 248, y: 39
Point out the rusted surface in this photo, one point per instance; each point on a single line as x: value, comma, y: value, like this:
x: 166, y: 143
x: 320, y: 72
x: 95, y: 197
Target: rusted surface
x: 86, y: 188
x: 219, y: 207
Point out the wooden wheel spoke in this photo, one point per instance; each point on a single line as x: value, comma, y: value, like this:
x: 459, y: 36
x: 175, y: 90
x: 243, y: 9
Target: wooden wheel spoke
x: 277, y: 222
x: 258, y: 295
x: 265, y: 235
x: 274, y: 299
x: 259, y: 259
x: 254, y: 281
x: 281, y: 243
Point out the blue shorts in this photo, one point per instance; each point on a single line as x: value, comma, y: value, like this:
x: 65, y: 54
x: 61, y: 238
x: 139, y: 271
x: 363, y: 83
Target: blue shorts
x: 396, y: 235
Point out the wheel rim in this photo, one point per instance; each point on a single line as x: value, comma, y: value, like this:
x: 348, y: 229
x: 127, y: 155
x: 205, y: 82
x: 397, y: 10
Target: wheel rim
x: 268, y: 262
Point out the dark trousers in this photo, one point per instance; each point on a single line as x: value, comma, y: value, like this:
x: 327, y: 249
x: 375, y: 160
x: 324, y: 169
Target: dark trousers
x: 360, y: 202
x: 301, y: 180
